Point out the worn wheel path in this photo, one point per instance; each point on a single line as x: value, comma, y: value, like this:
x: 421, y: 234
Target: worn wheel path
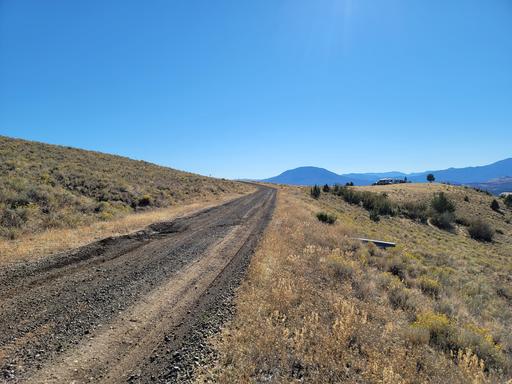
x: 118, y: 310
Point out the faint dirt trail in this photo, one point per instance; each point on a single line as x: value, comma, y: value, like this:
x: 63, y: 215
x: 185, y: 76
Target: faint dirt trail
x: 118, y: 310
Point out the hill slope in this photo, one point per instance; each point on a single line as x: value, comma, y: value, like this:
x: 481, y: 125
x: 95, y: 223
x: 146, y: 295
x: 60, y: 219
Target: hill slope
x: 315, y: 175
x: 45, y: 186
x: 436, y: 308
x: 495, y: 186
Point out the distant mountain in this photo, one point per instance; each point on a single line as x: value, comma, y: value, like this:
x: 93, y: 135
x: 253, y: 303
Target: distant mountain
x: 492, y: 176
x: 468, y: 175
x: 496, y: 186
x: 311, y: 176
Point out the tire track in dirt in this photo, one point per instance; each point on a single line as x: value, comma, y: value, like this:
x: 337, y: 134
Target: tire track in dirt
x: 101, y: 313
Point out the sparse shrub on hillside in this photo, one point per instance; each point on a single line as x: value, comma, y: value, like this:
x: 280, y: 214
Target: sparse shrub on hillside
x: 325, y: 217
x: 376, y: 203
x: 466, y: 199
x: 145, y: 201
x: 374, y: 216
x: 396, y: 266
x: 326, y: 188
x: 495, y: 206
x: 415, y: 211
x: 441, y: 204
x: 508, y: 200
x: 350, y: 195
x: 442, y: 211
x: 443, y: 220
x: 430, y: 178
x: 315, y: 192
x: 483, y: 191
x: 480, y: 230
x: 461, y: 220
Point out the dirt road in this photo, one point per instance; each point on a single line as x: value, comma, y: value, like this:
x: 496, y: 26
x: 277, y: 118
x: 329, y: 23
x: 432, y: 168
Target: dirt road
x: 136, y: 308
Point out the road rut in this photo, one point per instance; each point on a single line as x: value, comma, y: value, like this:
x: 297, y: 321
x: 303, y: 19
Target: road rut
x: 126, y: 309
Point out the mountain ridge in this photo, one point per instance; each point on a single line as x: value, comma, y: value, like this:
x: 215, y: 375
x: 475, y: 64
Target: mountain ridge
x: 473, y: 175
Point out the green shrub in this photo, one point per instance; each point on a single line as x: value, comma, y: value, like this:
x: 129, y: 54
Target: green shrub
x: 463, y: 221
x: 326, y: 188
x: 495, y: 206
x: 397, y: 267
x: 315, y: 192
x: 441, y: 204
x: 349, y: 195
x: 443, y: 220
x: 325, y: 217
x: 374, y: 216
x: 13, y: 218
x: 480, y: 230
x: 415, y: 211
x: 508, y: 200
x: 145, y: 201
x: 376, y: 202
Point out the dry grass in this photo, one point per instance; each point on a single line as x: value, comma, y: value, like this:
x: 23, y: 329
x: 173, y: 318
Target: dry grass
x: 319, y: 307
x: 31, y: 247
x: 46, y: 186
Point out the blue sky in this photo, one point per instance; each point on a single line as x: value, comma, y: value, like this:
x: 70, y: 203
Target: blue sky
x: 251, y: 88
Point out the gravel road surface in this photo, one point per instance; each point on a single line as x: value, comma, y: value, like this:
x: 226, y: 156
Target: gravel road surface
x: 134, y: 308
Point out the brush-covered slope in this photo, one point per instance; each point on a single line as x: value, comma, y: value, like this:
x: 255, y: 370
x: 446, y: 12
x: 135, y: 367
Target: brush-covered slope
x: 436, y: 308
x: 44, y: 186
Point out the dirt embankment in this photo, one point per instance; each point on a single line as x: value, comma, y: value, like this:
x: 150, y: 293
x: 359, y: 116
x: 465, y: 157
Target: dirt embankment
x: 131, y: 308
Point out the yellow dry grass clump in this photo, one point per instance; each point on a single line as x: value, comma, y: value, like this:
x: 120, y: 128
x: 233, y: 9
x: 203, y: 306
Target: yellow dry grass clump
x: 319, y: 307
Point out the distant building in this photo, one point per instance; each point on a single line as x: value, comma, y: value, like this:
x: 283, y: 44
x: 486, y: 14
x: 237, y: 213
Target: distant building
x: 388, y: 180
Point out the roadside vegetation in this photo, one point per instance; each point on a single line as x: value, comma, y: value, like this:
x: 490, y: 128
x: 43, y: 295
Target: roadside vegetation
x: 320, y: 307
x: 439, y: 210
x: 325, y: 217
x: 45, y: 187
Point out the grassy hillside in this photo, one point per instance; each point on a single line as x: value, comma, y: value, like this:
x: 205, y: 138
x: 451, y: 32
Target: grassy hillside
x: 46, y: 186
x: 318, y: 306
